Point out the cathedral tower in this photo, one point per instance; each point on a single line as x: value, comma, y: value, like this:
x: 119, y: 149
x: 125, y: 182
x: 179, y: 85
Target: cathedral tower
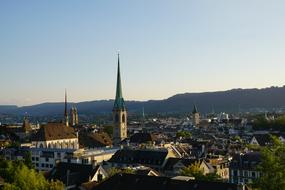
x: 119, y: 112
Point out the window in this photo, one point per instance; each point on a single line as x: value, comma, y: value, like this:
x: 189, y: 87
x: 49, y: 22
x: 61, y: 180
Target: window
x: 116, y: 118
x: 245, y: 174
x: 37, y: 159
x: 51, y: 166
x: 47, y: 159
x: 123, y: 118
x: 43, y: 165
x: 235, y: 172
x: 253, y: 174
x: 33, y: 158
x: 37, y: 165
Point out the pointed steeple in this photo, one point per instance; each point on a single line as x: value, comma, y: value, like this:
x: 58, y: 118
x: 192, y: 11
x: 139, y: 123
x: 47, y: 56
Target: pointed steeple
x: 119, y: 103
x: 195, y: 110
x: 65, y: 110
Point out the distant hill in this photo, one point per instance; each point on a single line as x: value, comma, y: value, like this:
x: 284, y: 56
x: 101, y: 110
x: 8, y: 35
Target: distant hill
x: 227, y: 101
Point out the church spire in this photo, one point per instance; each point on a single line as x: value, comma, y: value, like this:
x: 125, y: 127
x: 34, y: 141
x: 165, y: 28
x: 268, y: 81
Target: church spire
x: 65, y: 109
x: 195, y: 110
x: 119, y: 103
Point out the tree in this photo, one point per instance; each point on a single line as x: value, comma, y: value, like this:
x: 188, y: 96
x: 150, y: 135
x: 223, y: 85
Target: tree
x: 195, y: 171
x: 114, y: 171
x: 109, y: 130
x: 28, y: 160
x: 18, y: 176
x: 183, y: 134
x: 272, y: 167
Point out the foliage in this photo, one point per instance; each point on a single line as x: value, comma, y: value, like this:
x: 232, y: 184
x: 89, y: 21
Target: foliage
x: 237, y: 138
x: 28, y: 160
x: 261, y: 123
x: 272, y: 167
x: 183, y: 134
x: 109, y: 130
x: 195, y: 171
x: 253, y: 147
x: 18, y: 176
x: 114, y: 171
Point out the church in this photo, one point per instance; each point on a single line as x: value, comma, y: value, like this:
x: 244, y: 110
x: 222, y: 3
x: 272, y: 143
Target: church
x: 119, y: 112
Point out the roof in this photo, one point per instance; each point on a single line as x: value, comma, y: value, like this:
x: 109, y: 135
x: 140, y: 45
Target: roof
x: 142, y: 138
x: 147, y: 171
x: 249, y: 160
x: 119, y: 103
x: 140, y: 182
x: 77, y: 173
x: 100, y: 139
x: 263, y: 139
x: 139, y: 156
x: 54, y: 131
x: 172, y: 161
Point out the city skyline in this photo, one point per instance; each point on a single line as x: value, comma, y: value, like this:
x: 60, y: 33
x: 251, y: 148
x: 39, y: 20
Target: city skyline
x: 179, y: 47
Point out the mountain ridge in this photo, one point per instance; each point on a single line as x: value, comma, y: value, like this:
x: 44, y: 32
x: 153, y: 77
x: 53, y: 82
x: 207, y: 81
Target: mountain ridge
x: 233, y: 100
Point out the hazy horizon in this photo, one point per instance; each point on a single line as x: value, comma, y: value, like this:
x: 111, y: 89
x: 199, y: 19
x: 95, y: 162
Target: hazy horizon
x: 142, y: 100
x: 167, y: 47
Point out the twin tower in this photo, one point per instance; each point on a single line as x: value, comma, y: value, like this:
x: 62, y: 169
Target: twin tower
x: 119, y: 112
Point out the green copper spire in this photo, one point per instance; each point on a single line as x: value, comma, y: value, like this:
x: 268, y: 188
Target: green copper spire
x: 119, y: 103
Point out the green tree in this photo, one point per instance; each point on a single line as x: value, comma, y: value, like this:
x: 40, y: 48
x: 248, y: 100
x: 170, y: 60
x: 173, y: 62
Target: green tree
x: 18, y: 176
x: 114, y: 171
x: 272, y: 167
x: 183, y: 134
x: 109, y: 130
x: 28, y: 160
x: 195, y: 171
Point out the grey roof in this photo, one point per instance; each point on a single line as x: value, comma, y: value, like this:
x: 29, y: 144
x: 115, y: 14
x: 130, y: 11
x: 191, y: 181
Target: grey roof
x: 141, y: 182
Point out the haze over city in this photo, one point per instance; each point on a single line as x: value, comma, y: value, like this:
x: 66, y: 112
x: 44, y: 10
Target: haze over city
x: 166, y: 47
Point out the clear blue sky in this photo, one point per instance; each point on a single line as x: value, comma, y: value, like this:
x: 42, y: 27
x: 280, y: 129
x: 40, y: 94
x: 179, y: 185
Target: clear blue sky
x: 166, y: 47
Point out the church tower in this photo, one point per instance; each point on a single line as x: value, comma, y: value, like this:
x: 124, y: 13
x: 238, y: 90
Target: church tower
x: 196, y: 116
x: 119, y: 112
x: 73, y: 117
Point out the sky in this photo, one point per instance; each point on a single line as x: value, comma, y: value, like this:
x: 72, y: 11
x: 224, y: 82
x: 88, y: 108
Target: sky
x: 166, y: 47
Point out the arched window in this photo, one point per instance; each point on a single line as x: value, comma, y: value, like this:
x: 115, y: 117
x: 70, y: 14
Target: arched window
x: 41, y: 145
x: 123, y: 118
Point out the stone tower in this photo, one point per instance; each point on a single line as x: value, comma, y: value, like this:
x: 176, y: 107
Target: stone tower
x: 196, y: 116
x: 73, y: 117
x: 119, y: 112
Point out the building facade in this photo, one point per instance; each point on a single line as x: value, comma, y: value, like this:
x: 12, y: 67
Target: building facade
x: 243, y: 168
